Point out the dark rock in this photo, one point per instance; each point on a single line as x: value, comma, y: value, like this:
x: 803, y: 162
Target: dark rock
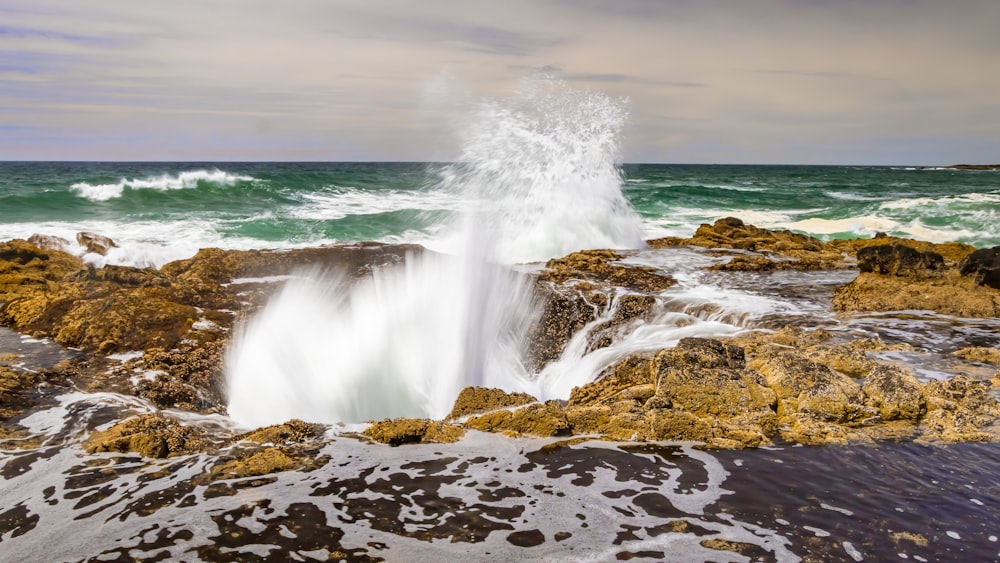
x: 899, y: 260
x: 984, y: 266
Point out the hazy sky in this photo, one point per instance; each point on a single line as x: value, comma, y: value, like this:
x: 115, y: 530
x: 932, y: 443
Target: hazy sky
x: 743, y: 81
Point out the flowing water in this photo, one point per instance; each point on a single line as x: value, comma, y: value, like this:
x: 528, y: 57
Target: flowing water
x: 537, y: 179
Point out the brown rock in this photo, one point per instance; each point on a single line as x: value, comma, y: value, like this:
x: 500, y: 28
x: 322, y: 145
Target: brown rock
x: 896, y: 393
x: 803, y: 386
x: 399, y: 431
x: 473, y: 400
x: 49, y: 242
x: 262, y: 462
x: 293, y: 431
x: 150, y: 435
x: 547, y: 419
x: 981, y: 354
x: 93, y: 242
x: 596, y: 265
x: 951, y: 294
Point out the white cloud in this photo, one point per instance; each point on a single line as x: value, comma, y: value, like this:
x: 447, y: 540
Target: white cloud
x: 775, y: 80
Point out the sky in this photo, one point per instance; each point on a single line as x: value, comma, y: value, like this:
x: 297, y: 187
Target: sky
x: 705, y: 81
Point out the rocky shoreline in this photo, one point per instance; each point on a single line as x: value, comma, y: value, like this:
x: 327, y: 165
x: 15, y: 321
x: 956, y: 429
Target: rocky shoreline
x: 791, y: 385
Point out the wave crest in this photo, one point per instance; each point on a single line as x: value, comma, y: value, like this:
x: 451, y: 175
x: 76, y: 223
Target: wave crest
x: 183, y: 180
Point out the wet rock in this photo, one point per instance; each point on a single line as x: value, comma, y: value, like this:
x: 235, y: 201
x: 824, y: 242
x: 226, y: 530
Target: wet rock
x: 95, y: 243
x: 803, y: 386
x: 291, y: 432
x: 547, y: 419
x: 262, y: 462
x: 191, y: 377
x: 399, y: 431
x: 150, y: 435
x: 597, y: 265
x: 960, y: 409
x: 14, y: 389
x: 899, y: 260
x: 634, y: 371
x: 473, y: 400
x: 49, y: 242
x: 897, y: 394
x: 564, y: 312
x: 950, y: 294
x: 983, y: 266
x: 217, y: 266
x: 981, y: 354
x: 781, y: 250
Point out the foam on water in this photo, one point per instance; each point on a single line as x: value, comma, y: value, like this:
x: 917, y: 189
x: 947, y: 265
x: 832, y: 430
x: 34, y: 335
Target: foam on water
x: 183, y: 180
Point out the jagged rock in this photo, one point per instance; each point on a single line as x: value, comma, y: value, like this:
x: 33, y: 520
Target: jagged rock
x: 150, y: 435
x: 564, y: 312
x: 710, y: 379
x: 399, y: 431
x: 780, y: 250
x: 803, y: 386
x: 897, y: 394
x: 293, y: 431
x: 216, y: 266
x: 473, y: 400
x: 547, y: 419
x: 958, y: 410
x: 95, y: 243
x: 191, y: 376
x: 951, y: 294
x: 983, y: 265
x: 899, y: 260
x: 596, y: 265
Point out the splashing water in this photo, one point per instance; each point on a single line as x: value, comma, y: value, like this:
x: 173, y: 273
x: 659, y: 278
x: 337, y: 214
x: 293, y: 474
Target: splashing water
x: 538, y: 179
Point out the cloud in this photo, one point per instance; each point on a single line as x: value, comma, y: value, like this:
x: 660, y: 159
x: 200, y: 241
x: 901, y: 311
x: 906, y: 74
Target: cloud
x: 731, y: 79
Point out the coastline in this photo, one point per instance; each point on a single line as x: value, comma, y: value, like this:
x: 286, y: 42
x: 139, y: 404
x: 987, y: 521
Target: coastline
x: 787, y: 385
x: 806, y: 435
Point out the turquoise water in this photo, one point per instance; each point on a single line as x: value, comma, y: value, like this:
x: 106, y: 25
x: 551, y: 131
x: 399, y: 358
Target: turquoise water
x: 163, y: 211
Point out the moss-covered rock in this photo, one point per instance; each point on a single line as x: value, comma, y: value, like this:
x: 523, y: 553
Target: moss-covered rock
x: 149, y: 435
x: 474, y: 400
x: 399, y: 431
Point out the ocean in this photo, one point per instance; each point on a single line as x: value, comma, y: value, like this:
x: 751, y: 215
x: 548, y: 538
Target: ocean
x: 158, y: 212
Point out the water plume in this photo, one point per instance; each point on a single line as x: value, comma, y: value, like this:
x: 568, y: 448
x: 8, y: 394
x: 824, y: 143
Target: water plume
x: 537, y: 178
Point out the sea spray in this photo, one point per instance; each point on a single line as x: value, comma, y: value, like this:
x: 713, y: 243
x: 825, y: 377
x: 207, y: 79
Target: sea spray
x: 540, y: 173
x: 402, y: 342
x: 537, y: 178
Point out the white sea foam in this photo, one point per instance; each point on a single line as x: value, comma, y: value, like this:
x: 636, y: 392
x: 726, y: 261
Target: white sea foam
x: 916, y: 202
x: 183, y: 180
x: 348, y: 202
x: 868, y: 224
